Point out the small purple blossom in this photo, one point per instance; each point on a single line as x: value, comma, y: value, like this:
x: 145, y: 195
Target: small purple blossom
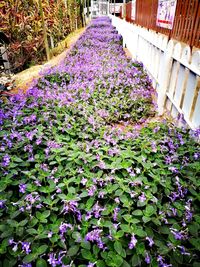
x: 6, y: 160
x: 142, y: 198
x: 92, y: 190
x: 2, y: 204
x: 161, y: 262
x: 147, y: 258
x: 22, y: 188
x: 26, y: 247
x: 133, y: 242
x: 72, y: 206
x: 116, y: 211
x: 183, y: 250
x: 50, y: 234
x: 84, y: 181
x: 150, y: 240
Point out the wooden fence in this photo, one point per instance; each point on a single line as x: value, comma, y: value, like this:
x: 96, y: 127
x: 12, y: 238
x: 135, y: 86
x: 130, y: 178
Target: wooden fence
x: 172, y: 66
x: 186, y: 26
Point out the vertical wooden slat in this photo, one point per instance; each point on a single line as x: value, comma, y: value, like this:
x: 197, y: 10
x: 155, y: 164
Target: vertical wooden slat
x: 186, y: 26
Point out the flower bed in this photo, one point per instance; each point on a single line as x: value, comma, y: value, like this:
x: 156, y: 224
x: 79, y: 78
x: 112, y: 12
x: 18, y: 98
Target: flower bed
x: 76, y: 190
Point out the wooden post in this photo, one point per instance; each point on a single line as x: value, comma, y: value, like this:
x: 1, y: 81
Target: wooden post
x: 88, y: 10
x: 44, y: 31
x: 124, y: 9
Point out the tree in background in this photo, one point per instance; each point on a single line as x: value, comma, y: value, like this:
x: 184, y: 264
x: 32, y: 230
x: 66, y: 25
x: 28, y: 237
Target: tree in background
x: 34, y: 26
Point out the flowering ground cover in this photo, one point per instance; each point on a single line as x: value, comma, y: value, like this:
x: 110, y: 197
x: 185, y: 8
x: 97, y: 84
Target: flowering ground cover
x: 76, y: 189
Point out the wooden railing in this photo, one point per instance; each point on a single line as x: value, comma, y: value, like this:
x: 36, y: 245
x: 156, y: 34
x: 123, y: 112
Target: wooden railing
x: 186, y: 26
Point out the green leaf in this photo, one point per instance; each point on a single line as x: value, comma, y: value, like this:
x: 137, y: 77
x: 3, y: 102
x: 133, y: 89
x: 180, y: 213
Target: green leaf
x: 146, y: 219
x: 95, y: 250
x: 41, y: 263
x: 30, y: 257
x: 164, y: 230
x: 118, y: 247
x: 73, y: 251
x: 126, y: 228
x: 45, y: 214
x: 42, y: 249
x: 100, y: 263
x: 87, y: 254
x: 125, y: 264
x: 137, y: 213
x: 194, y: 228
x: 150, y: 210
x: 9, y: 263
x: 140, y: 232
x: 140, y: 248
x: 32, y: 231
x: 118, y: 260
x: 135, y: 261
x: 86, y: 245
x: 90, y: 202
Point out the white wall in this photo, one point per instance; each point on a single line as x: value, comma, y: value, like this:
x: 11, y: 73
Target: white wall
x: 174, y: 70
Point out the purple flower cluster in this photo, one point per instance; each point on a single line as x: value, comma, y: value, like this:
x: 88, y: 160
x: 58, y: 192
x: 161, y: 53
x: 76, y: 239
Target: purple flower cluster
x: 72, y: 206
x: 25, y: 246
x: 56, y: 260
x: 94, y: 236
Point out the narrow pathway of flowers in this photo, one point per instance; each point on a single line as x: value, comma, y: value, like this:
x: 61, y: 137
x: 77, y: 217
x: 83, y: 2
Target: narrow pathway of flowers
x: 82, y: 183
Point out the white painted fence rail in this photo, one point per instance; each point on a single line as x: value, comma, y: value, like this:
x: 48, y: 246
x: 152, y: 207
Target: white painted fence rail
x: 174, y: 69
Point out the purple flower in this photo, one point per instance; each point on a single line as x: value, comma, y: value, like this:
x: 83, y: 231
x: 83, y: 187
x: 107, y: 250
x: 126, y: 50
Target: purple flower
x: 133, y: 242
x: 153, y: 146
x: 22, y: 188
x: 147, y: 258
x: 196, y: 156
x: 161, y: 262
x: 64, y: 226
x: 179, y: 235
x: 97, y: 209
x: 90, y: 264
x: 72, y: 206
x: 52, y: 260
x: 6, y: 160
x: 50, y: 234
x: 2, y: 204
x: 142, y: 198
x: 84, y: 181
x: 92, y: 190
x: 188, y: 212
x: 173, y: 169
x: 101, y: 194
x: 26, y: 247
x: 151, y: 242
x: 95, y: 236
x: 56, y: 260
x: 116, y: 211
x: 11, y: 241
x: 183, y: 250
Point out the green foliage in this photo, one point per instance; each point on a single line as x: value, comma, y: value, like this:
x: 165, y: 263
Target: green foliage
x: 21, y: 22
